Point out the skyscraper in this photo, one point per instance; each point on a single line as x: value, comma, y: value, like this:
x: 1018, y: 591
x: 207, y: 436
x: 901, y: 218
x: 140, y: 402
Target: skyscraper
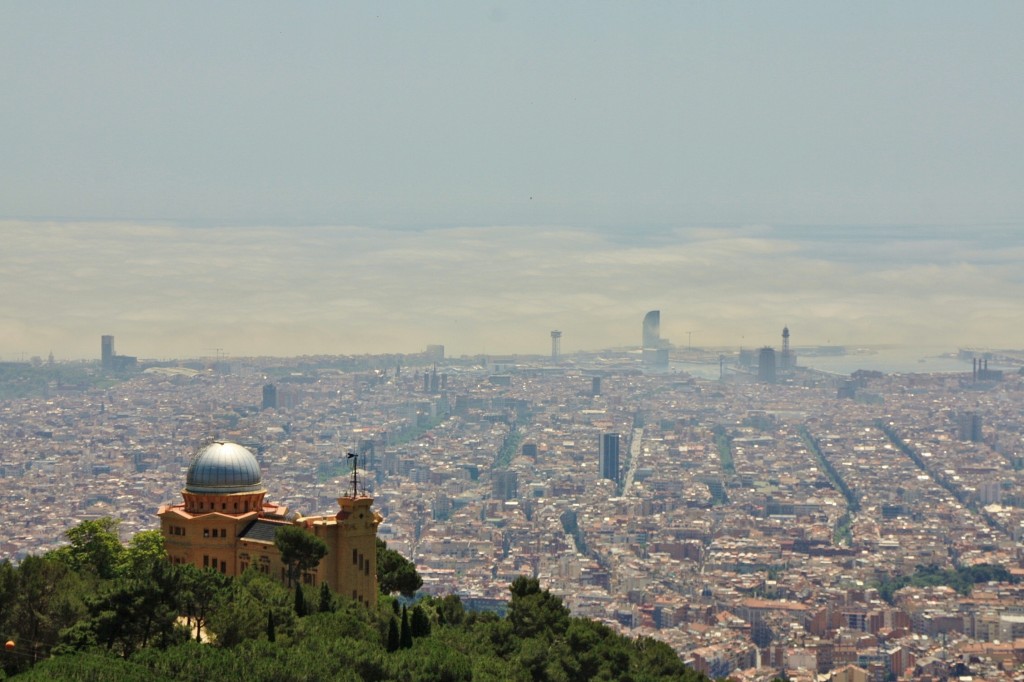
x: 654, y: 350
x: 609, y: 456
x: 968, y: 426
x: 505, y: 485
x: 112, y: 361
x: 652, y: 329
x: 270, y: 397
x: 107, y: 351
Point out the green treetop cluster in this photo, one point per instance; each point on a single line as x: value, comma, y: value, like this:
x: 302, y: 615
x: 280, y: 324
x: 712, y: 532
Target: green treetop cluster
x: 99, y: 610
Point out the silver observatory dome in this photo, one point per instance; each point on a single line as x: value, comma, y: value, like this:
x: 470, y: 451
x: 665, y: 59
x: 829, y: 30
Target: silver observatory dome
x: 223, y: 468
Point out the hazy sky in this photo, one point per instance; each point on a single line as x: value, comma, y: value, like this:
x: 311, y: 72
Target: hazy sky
x: 278, y: 178
x: 172, y: 291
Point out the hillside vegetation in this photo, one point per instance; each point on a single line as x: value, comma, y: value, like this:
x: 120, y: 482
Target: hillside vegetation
x: 97, y: 610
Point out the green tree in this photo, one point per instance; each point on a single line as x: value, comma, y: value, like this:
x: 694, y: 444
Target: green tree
x: 131, y: 613
x: 326, y: 603
x: 198, y: 592
x: 95, y: 546
x: 90, y: 667
x: 143, y: 550
x: 394, y: 638
x: 395, y: 573
x: 533, y: 612
x: 450, y: 610
x: 48, y: 597
x: 405, y: 634
x: 300, y: 601
x: 300, y: 550
x: 237, y: 615
x: 420, y: 622
x: 658, y: 660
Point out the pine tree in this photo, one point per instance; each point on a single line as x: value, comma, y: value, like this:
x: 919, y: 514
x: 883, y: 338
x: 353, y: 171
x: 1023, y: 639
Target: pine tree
x: 405, y: 639
x: 300, y: 601
x: 393, y: 637
x: 326, y: 601
x: 420, y: 622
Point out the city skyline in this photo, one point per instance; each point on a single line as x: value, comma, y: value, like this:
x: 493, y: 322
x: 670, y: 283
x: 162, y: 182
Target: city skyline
x: 170, y: 291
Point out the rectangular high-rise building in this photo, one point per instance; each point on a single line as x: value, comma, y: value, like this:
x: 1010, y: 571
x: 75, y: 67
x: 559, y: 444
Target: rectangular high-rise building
x: 505, y: 485
x: 968, y: 426
x: 270, y: 397
x: 107, y: 351
x: 609, y: 456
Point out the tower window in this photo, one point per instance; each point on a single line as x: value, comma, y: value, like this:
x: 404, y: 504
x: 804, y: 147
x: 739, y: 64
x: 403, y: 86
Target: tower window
x: 355, y: 558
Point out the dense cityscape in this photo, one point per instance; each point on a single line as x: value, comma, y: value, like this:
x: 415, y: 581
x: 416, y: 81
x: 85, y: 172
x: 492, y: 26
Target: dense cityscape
x: 332, y: 342
x: 770, y: 518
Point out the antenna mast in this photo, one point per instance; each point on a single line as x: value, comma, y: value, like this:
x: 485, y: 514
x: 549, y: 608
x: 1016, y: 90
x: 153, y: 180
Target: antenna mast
x: 355, y: 473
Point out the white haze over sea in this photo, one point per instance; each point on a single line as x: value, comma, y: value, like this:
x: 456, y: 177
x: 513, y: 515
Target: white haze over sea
x: 176, y: 291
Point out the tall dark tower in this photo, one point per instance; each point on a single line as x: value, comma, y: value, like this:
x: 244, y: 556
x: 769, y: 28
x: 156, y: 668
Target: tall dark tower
x: 787, y: 358
x: 107, y: 351
x: 270, y: 397
x: 968, y: 426
x: 505, y: 485
x: 556, y: 345
x: 609, y: 451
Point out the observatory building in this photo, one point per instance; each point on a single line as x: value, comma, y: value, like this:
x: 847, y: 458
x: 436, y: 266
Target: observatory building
x: 225, y: 523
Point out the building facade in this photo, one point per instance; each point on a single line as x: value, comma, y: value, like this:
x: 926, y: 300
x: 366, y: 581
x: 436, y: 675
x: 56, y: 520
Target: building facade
x: 609, y: 454
x: 653, y: 349
x: 107, y: 351
x: 226, y: 523
x: 269, y: 397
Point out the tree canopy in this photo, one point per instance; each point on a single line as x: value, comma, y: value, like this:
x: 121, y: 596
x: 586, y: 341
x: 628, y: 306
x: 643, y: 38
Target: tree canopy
x: 153, y: 621
x: 300, y: 550
x: 94, y: 546
x: 395, y: 573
